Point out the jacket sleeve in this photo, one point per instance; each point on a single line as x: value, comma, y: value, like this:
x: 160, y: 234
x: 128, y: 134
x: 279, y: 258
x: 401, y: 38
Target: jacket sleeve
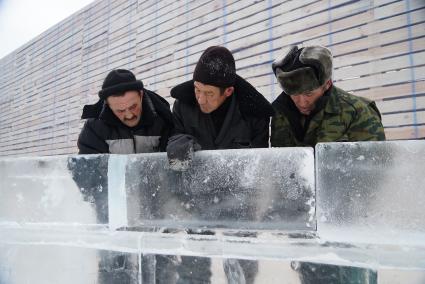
x: 89, y: 142
x: 166, y: 133
x: 366, y: 125
x: 260, y: 138
x: 281, y: 135
x: 178, y: 119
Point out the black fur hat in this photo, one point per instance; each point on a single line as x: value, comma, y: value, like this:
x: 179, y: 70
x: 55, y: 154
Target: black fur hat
x: 117, y: 81
x: 216, y: 67
x: 303, y: 70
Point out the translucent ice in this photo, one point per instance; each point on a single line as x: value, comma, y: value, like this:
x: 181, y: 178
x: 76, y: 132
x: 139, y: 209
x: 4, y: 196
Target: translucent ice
x: 371, y: 192
x: 240, y: 189
x: 54, y: 190
x: 248, y: 215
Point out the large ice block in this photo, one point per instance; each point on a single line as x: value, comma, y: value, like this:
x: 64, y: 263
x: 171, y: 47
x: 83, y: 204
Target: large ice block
x: 186, y: 269
x: 66, y: 264
x: 141, y: 257
x: 52, y: 263
x: 87, y: 219
x: 371, y: 191
x: 53, y: 190
x: 239, y: 189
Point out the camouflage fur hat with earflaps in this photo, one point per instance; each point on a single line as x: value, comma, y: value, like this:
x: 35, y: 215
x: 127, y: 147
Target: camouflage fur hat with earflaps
x: 303, y: 70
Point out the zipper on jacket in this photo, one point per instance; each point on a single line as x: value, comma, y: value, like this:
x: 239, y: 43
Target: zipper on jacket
x: 134, y: 141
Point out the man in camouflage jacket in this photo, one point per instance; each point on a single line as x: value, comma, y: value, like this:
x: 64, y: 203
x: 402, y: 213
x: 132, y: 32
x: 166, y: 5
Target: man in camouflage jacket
x: 311, y: 110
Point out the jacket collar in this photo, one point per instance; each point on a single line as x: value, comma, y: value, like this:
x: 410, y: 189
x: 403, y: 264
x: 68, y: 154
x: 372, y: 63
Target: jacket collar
x: 332, y: 106
x: 249, y: 100
x: 231, y: 112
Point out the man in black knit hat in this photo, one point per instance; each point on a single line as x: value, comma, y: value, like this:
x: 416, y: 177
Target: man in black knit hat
x: 127, y: 118
x: 217, y: 110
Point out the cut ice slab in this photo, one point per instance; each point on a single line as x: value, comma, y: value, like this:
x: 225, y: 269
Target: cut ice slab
x: 54, y: 190
x: 236, y: 189
x: 143, y: 257
x: 371, y: 191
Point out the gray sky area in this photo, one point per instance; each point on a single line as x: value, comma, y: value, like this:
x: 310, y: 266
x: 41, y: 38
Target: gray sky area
x: 23, y: 20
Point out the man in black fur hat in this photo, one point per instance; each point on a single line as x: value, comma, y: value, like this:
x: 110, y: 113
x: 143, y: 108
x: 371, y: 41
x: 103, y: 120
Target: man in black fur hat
x: 127, y: 118
x: 217, y: 110
x: 311, y: 109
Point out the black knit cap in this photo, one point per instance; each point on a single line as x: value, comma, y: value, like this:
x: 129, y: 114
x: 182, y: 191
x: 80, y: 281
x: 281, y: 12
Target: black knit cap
x: 118, y: 81
x: 216, y: 67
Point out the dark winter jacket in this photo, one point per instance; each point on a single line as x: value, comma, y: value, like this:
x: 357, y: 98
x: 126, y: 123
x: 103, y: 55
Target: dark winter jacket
x: 246, y: 124
x: 103, y: 132
x: 342, y: 117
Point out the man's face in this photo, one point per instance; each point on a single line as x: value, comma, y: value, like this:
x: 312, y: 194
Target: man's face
x: 210, y: 97
x: 128, y: 108
x: 306, y: 102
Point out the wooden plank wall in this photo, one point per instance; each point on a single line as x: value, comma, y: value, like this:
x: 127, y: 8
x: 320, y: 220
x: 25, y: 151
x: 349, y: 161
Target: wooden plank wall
x: 378, y: 47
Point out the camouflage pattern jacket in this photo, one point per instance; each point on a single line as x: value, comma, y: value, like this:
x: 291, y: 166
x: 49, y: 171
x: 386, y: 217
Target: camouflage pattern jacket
x: 344, y: 117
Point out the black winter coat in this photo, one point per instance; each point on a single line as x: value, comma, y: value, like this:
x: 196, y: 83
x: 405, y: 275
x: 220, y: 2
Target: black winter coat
x: 103, y: 132
x: 246, y: 124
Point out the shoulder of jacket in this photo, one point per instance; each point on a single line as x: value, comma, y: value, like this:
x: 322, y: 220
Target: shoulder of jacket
x: 184, y: 92
x: 96, y: 125
x: 279, y: 102
x: 181, y: 104
x: 159, y: 106
x: 157, y: 99
x: 351, y: 101
x: 251, y: 101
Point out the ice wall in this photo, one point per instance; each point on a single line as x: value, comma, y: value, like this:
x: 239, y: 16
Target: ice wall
x: 237, y: 216
x: 255, y: 189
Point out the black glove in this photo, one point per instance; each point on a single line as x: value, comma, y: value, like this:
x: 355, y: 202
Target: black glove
x: 180, y: 151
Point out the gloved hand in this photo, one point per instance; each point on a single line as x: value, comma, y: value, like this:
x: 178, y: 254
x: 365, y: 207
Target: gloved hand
x: 180, y: 151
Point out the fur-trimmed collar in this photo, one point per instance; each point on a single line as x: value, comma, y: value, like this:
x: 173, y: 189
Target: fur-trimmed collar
x: 250, y: 101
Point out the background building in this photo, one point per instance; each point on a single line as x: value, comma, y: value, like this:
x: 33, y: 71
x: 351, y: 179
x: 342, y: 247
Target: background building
x: 379, y: 50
